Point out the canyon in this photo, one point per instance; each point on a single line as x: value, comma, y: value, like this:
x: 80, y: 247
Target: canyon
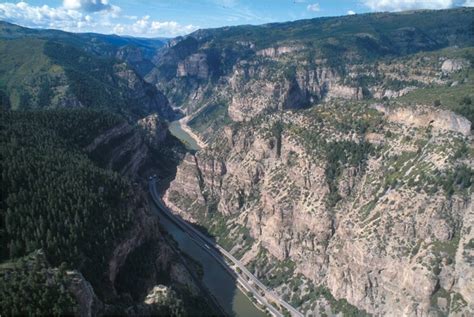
x: 333, y: 157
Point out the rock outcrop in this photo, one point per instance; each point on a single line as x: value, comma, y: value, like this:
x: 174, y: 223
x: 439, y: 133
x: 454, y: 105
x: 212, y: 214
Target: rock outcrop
x: 122, y: 148
x: 453, y: 65
x: 195, y: 65
x: 156, y: 129
x: 345, y: 226
x: 88, y: 303
x: 425, y: 116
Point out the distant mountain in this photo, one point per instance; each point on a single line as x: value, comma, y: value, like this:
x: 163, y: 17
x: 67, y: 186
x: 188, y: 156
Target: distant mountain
x: 92, y: 41
x: 51, y: 69
x: 236, y: 72
x: 337, y: 162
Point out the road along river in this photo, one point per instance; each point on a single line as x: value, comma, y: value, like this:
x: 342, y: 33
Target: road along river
x: 221, y: 279
x: 217, y: 280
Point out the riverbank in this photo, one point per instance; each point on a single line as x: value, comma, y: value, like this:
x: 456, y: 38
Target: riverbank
x: 186, y: 135
x: 217, y: 278
x: 183, y: 123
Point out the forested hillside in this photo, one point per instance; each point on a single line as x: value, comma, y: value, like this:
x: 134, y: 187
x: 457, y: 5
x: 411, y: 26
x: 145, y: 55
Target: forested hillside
x: 30, y: 286
x: 85, y: 218
x: 53, y: 196
x: 53, y: 69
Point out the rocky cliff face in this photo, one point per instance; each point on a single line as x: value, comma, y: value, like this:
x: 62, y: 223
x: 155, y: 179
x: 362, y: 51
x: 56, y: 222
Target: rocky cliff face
x: 122, y: 148
x: 127, y: 149
x: 421, y: 117
x: 373, y: 205
x: 156, y: 129
x: 293, y: 76
x: 145, y: 97
x: 254, y: 70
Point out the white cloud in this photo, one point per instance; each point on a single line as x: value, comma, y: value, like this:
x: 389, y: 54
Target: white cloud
x: 400, y: 5
x: 469, y: 3
x: 313, y: 7
x: 78, y: 16
x: 44, y: 16
x: 350, y: 12
x: 87, y: 5
x: 147, y: 27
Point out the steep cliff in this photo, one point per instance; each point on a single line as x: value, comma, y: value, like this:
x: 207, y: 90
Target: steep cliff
x: 84, y: 205
x: 324, y: 193
x: 236, y: 73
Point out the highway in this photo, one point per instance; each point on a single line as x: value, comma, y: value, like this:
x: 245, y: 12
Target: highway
x: 246, y: 279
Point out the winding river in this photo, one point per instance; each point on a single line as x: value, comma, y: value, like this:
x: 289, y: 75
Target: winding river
x: 217, y: 279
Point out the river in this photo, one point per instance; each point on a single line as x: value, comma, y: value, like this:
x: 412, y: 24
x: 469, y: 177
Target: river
x: 186, y: 138
x: 216, y: 279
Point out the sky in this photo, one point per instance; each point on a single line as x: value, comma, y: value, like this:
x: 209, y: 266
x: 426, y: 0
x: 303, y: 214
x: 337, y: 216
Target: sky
x: 170, y: 18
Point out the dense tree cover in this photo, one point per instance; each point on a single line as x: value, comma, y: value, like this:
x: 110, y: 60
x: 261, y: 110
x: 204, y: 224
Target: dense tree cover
x: 30, y: 287
x: 39, y: 72
x: 90, y: 77
x: 277, y: 130
x: 460, y: 178
x: 53, y: 196
x: 339, y: 155
x: 139, y: 274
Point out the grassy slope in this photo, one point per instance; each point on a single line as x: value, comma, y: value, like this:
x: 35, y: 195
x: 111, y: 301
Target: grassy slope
x: 21, y: 62
x: 47, y: 69
x: 415, y: 25
x: 458, y: 94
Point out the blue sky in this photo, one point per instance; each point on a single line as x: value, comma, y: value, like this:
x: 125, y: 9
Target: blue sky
x: 171, y: 18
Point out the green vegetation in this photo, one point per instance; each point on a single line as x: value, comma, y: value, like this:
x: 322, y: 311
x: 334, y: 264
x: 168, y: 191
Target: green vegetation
x: 337, y: 306
x: 25, y: 73
x: 37, y: 72
x: 54, y: 197
x: 277, y: 130
x: 460, y: 179
x: 458, y: 98
x: 212, y: 116
x: 30, y: 287
x: 378, y: 33
x: 340, y: 155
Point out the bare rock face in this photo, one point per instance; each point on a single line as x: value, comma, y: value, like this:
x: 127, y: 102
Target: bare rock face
x: 194, y: 65
x: 89, y: 304
x: 424, y: 116
x: 280, y: 50
x: 453, y: 65
x: 464, y: 271
x: 156, y: 129
x: 254, y: 90
x: 388, y: 248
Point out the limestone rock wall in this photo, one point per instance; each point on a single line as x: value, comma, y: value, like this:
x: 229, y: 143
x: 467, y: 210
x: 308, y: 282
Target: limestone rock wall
x: 390, y: 249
